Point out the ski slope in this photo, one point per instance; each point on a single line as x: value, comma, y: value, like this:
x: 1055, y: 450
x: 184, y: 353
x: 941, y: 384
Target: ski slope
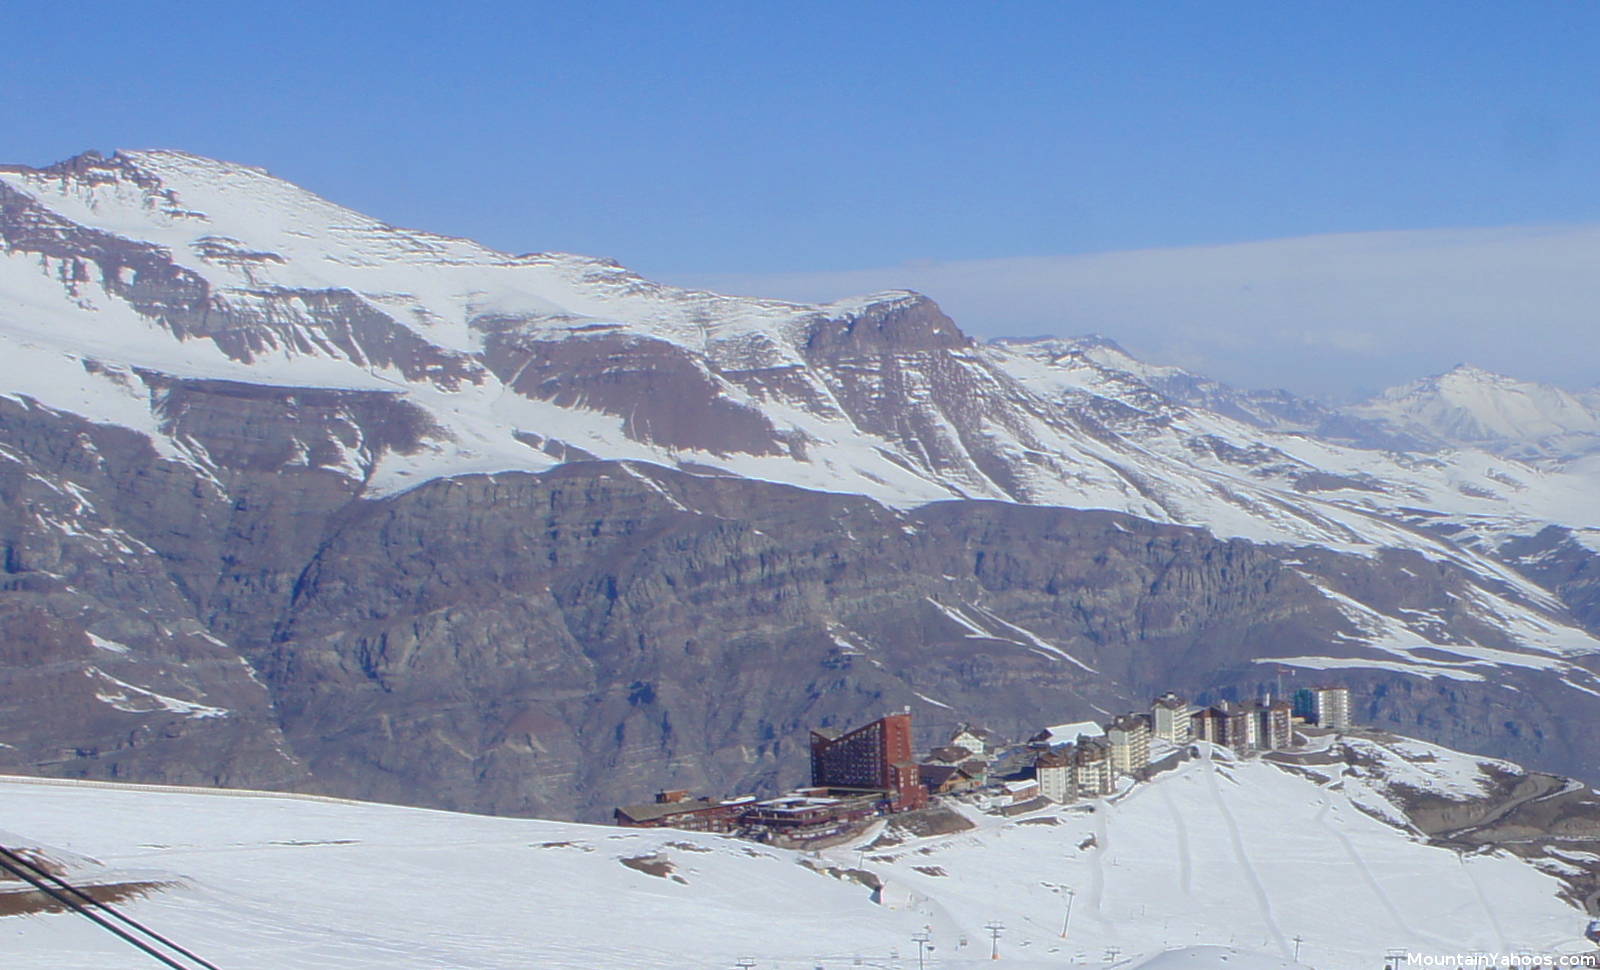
x: 1216, y: 863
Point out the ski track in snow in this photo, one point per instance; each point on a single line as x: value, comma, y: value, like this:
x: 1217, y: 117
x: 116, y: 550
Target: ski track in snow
x: 1263, y: 901
x: 1185, y: 860
x: 1097, y: 861
x: 1488, y: 908
x: 1362, y: 867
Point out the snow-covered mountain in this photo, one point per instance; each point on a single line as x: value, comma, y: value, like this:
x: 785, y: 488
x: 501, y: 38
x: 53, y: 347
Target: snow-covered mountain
x: 193, y: 269
x: 1471, y: 407
x: 1215, y: 863
x: 301, y: 495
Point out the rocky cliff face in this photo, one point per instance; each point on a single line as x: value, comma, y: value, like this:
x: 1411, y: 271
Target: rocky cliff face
x: 554, y: 643
x: 305, y: 500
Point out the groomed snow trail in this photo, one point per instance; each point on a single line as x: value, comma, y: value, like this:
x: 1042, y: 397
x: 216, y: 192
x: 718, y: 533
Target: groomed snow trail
x: 1362, y: 867
x: 1185, y: 862
x: 1488, y: 908
x: 1097, y: 861
x: 1263, y: 901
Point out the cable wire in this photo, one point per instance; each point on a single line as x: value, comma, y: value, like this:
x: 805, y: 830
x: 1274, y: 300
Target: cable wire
x: 41, y: 880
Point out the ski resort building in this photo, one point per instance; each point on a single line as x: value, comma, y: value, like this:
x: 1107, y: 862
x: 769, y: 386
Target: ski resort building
x: 1274, y: 731
x: 1091, y: 759
x: 676, y: 810
x: 811, y: 812
x: 875, y: 755
x: 1208, y: 724
x: 1128, y: 738
x: 1169, y: 718
x: 1022, y: 790
x: 1240, y: 727
x: 1066, y: 733
x: 1054, y: 771
x: 1266, y: 726
x: 949, y: 754
x: 1231, y: 725
x: 1326, y: 707
x: 945, y: 779
x: 976, y: 740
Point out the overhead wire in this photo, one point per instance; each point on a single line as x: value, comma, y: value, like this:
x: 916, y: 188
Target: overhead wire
x: 75, y: 900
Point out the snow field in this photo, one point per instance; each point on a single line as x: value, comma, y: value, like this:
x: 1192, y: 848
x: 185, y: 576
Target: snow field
x: 1226, y: 853
x: 1215, y: 853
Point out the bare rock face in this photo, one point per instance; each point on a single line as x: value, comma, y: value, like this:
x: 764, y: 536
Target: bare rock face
x: 912, y: 324
x: 1557, y: 560
x: 662, y: 394
x: 150, y: 694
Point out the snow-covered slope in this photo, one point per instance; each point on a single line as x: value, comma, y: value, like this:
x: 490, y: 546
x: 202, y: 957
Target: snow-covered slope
x: 1469, y: 406
x: 202, y: 269
x: 1215, y: 863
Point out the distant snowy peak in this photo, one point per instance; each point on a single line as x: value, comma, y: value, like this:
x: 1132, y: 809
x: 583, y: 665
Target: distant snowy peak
x: 1093, y: 348
x: 1474, y: 407
x: 1266, y: 410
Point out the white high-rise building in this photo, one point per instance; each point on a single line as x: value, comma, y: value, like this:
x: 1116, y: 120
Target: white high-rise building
x: 1326, y: 707
x: 1129, y: 739
x: 1057, y: 779
x: 1091, y: 760
x: 1169, y: 718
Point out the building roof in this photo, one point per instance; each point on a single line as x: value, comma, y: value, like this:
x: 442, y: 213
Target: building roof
x: 1022, y: 784
x: 935, y: 775
x: 950, y: 754
x: 972, y: 729
x: 1053, y: 759
x: 1070, y: 731
x: 797, y: 802
x: 1170, y: 701
x: 650, y: 811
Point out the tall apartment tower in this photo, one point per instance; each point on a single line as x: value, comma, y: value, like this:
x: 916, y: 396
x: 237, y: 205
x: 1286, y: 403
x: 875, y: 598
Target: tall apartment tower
x: 1239, y: 724
x: 875, y: 755
x: 1169, y: 718
x: 1057, y: 775
x: 1326, y: 707
x: 1129, y: 739
x: 1273, y: 732
x: 1209, y: 724
x: 1091, y: 763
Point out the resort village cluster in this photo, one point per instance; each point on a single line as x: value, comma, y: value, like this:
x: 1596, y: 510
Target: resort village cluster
x: 870, y: 771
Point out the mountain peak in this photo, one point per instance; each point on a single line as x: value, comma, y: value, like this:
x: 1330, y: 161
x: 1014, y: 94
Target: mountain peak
x: 1469, y: 405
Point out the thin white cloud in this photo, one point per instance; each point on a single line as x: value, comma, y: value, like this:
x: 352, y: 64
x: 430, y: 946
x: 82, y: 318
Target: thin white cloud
x: 1334, y: 314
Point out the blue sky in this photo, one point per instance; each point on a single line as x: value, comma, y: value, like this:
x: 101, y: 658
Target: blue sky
x: 744, y: 141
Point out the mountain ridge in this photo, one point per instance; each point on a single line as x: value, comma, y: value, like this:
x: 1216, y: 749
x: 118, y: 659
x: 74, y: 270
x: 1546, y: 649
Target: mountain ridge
x: 234, y: 391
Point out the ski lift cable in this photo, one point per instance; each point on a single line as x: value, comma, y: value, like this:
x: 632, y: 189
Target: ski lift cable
x: 41, y: 880
x: 22, y: 860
